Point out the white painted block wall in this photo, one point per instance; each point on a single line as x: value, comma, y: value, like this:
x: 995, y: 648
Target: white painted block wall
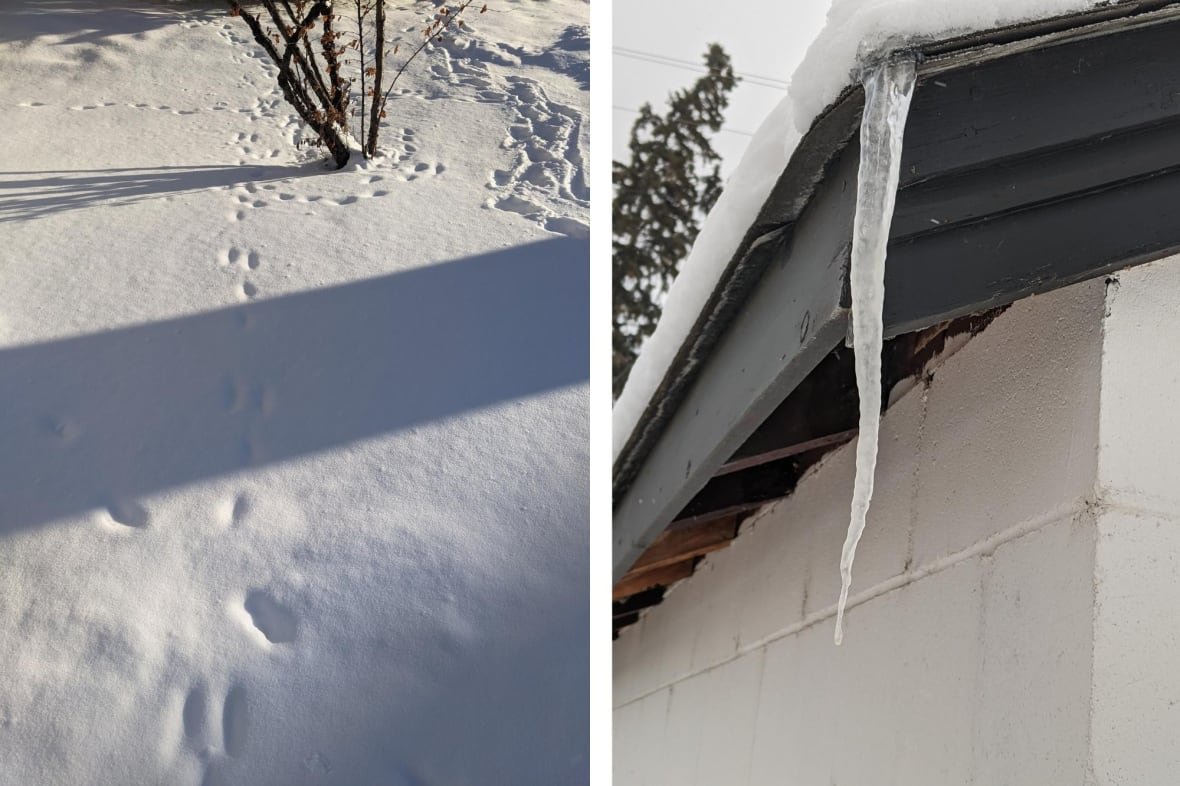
x: 1136, y: 703
x: 1014, y: 617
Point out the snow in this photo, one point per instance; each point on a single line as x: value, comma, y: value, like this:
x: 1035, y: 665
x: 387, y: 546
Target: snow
x: 744, y: 194
x: 888, y: 89
x: 857, y: 32
x: 294, y: 461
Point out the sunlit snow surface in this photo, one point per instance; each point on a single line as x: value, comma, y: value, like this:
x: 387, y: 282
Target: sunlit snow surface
x: 888, y: 89
x: 293, y: 462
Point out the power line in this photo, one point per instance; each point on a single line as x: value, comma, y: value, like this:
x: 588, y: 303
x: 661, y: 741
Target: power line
x: 751, y: 79
x: 723, y: 128
x: 669, y: 60
x: 688, y: 65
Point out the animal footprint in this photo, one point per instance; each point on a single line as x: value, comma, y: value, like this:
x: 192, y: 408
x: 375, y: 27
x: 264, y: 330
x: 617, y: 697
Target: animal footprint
x: 240, y: 510
x: 194, y: 716
x: 567, y: 226
x: 128, y: 513
x: 233, y: 395
x: 548, y: 161
x: 235, y: 721
x: 273, y: 620
x: 247, y: 260
x: 60, y: 428
x: 514, y: 204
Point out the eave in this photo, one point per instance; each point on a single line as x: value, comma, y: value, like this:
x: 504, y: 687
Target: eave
x: 1035, y: 156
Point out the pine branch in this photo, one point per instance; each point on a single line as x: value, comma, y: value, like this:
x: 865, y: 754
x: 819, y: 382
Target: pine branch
x: 672, y: 180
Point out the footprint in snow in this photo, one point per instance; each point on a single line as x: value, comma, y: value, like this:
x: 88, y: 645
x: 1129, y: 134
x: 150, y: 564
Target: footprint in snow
x: 240, y: 511
x: 569, y: 227
x: 235, y: 727
x: 193, y: 716
x: 59, y: 428
x: 272, y: 619
x: 237, y: 257
x: 128, y: 513
x: 235, y: 721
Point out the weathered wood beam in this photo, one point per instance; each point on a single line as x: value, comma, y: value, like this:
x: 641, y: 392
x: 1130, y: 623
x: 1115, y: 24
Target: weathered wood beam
x: 639, y: 581
x: 815, y: 414
x: 679, y: 543
x: 824, y: 410
x: 638, y: 601
x: 738, y: 492
x: 789, y: 448
x: 821, y: 417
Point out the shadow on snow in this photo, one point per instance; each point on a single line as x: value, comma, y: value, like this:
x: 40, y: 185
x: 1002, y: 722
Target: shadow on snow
x: 25, y: 195
x: 89, y: 421
x: 94, y: 21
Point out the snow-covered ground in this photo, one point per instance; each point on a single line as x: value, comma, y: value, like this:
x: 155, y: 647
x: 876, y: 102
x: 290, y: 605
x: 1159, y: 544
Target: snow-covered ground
x: 293, y: 462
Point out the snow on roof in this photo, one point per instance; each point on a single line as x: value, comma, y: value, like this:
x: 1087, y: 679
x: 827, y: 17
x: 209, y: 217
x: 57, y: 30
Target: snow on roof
x: 855, y: 31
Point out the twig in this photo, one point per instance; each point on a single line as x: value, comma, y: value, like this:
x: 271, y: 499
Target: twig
x: 451, y: 18
x: 378, y: 106
x: 360, y: 46
x: 295, y: 91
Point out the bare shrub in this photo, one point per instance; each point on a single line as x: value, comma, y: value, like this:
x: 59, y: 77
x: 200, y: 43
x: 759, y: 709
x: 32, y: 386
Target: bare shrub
x: 329, y: 62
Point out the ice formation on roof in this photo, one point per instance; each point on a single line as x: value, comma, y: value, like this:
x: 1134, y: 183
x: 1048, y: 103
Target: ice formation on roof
x: 888, y: 88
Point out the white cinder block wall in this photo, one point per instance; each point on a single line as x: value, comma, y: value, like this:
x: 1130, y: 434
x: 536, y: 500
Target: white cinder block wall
x: 1015, y: 616
x: 1136, y: 702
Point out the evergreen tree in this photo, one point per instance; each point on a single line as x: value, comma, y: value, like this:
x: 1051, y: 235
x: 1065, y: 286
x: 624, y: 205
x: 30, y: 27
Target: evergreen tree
x: 671, y: 182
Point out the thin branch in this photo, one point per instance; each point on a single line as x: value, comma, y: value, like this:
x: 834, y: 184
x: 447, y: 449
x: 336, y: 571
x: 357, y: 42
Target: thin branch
x: 328, y: 44
x: 322, y: 89
x: 360, y: 46
x: 378, y: 106
x: 292, y: 40
x: 452, y: 18
x: 294, y: 91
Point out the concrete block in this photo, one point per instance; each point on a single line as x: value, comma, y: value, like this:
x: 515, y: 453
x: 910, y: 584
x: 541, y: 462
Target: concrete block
x: 825, y: 499
x: 1033, y: 696
x: 1011, y: 424
x: 1140, y: 380
x: 892, y: 705
x: 728, y: 742
x: 1136, y: 671
x: 688, y: 710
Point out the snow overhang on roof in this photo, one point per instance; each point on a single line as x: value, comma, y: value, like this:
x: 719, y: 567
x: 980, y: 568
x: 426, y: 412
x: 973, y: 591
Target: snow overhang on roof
x: 1035, y: 156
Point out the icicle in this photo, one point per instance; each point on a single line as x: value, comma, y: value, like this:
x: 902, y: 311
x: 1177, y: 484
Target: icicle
x: 888, y: 88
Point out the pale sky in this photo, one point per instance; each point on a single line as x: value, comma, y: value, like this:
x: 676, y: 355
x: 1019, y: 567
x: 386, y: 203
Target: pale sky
x: 765, y: 40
